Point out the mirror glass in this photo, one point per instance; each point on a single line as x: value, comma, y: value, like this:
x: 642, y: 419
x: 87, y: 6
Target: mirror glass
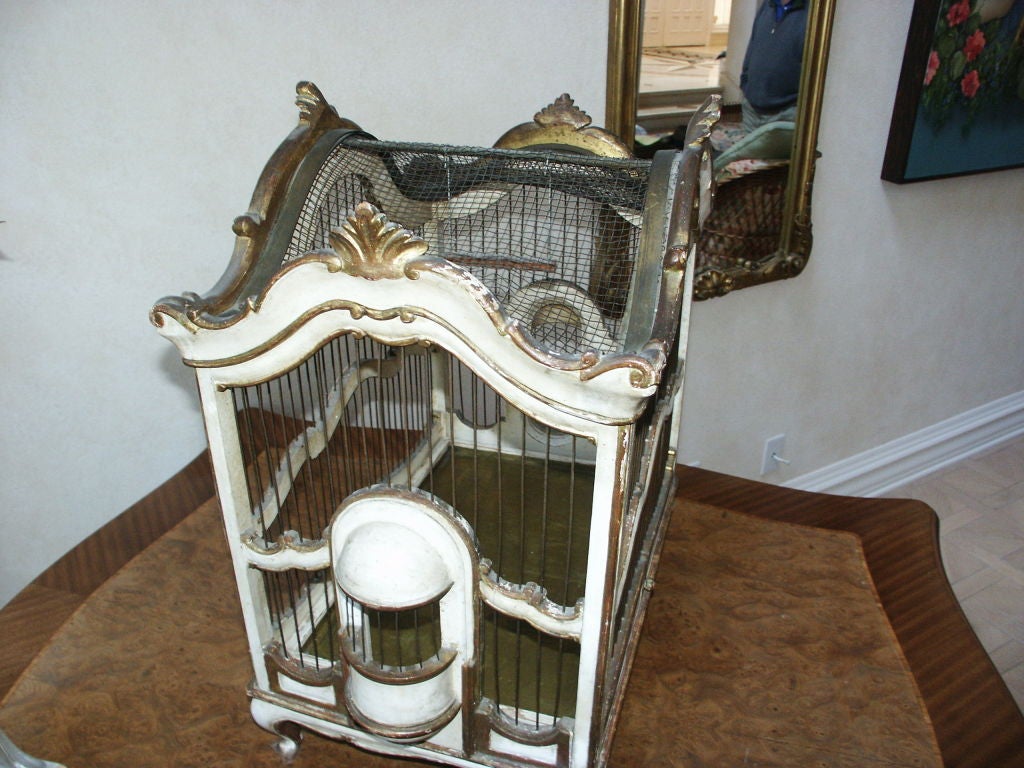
x: 760, y: 229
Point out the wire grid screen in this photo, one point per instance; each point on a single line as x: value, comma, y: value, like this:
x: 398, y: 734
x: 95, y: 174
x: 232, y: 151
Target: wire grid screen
x: 552, y: 236
x: 357, y: 413
x: 526, y: 490
x: 353, y: 414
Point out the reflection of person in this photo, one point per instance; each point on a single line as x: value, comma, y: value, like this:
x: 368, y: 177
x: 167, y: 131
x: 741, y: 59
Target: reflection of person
x: 771, y: 68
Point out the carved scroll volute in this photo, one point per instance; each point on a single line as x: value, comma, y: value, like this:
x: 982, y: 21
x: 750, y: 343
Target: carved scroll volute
x: 316, y: 118
x: 313, y: 107
x: 371, y: 246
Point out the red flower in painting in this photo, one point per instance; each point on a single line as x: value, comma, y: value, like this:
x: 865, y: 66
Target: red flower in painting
x: 958, y: 13
x: 970, y: 84
x: 975, y: 44
x: 933, y: 67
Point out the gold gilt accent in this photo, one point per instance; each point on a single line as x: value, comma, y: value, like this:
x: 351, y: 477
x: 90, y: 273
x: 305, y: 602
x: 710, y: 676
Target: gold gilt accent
x: 563, y: 111
x: 313, y: 106
x: 371, y: 246
x: 711, y: 283
x: 564, y: 126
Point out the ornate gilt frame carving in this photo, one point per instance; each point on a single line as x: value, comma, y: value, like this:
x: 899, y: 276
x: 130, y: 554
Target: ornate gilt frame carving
x: 625, y: 28
x: 563, y: 125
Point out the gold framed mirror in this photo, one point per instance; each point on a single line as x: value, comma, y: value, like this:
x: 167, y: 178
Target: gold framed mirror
x: 716, y: 277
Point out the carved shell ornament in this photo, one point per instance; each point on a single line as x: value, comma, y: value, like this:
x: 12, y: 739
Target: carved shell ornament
x: 371, y: 246
x: 563, y: 112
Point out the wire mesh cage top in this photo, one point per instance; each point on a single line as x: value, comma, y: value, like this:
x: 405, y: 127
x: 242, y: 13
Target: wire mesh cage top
x: 553, y: 236
x: 574, y: 255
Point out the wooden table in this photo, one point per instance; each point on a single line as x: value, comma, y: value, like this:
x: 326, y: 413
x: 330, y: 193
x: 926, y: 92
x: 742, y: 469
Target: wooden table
x: 766, y: 644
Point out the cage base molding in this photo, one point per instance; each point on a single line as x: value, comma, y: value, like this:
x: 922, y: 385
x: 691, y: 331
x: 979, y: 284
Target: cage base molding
x: 442, y: 387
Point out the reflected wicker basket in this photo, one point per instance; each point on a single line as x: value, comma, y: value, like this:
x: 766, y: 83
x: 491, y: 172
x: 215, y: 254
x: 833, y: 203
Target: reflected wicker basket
x: 746, y: 222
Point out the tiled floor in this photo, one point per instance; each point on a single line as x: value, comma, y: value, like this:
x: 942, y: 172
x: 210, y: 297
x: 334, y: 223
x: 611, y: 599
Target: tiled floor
x: 673, y: 83
x: 679, y: 69
x: 980, y: 503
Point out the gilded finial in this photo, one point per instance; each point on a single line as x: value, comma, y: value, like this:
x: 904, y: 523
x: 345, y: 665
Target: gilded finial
x: 309, y: 100
x: 371, y: 246
x: 563, y: 111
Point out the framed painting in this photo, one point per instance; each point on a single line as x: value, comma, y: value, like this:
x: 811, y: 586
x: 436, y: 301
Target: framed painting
x: 960, y: 102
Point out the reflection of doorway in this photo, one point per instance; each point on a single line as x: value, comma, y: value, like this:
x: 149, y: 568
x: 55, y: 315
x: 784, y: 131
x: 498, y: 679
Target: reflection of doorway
x: 679, y: 66
x: 671, y: 23
x: 674, y: 81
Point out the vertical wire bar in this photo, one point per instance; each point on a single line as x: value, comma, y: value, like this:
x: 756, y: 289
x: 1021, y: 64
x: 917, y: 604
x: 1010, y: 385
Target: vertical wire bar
x: 568, y: 570
x: 572, y: 522
x: 317, y: 472
x: 299, y: 474
x: 323, y: 390
x: 476, y: 465
x: 396, y: 443
x: 425, y: 385
x: 281, y: 437
x: 274, y: 601
x: 382, y: 423
x: 252, y: 471
x: 501, y: 503
x: 332, y: 624
x: 522, y: 561
x: 452, y: 371
x: 367, y: 628
x: 271, y: 469
x: 312, y: 619
x: 418, y: 662
x: 394, y: 420
x: 380, y: 632
x: 398, y: 640
x: 538, y: 681
x: 435, y: 623
x: 522, y: 502
x: 341, y: 356
x: 350, y: 619
x: 405, y: 400
x: 544, y: 509
x: 359, y: 405
x: 558, y: 678
x: 485, y: 653
x: 497, y: 657
x: 309, y: 480
x: 543, y: 554
x: 289, y: 582
x: 375, y: 435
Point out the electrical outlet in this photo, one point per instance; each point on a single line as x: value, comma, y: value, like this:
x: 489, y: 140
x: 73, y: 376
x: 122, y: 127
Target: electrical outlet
x: 773, y: 453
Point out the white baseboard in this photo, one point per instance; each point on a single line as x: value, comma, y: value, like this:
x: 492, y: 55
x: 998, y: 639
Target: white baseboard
x: 879, y: 470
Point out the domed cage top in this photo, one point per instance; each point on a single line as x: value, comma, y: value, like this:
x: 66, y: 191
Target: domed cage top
x: 442, y: 387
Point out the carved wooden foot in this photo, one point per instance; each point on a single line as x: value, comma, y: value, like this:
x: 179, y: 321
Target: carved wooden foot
x: 291, y: 739
x: 269, y: 718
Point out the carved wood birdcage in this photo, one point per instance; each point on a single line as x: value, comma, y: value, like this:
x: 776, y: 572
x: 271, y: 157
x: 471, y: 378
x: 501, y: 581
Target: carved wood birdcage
x: 441, y: 387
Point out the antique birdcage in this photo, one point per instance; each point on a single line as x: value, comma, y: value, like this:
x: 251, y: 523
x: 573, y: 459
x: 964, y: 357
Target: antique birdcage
x: 441, y: 387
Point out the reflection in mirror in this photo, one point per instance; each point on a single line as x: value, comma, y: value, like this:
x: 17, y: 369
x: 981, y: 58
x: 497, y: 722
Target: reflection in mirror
x: 760, y: 229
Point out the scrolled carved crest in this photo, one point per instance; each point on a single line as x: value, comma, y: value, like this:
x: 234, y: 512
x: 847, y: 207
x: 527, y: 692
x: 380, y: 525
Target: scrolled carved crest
x: 563, y: 111
x: 371, y: 246
x: 564, y: 125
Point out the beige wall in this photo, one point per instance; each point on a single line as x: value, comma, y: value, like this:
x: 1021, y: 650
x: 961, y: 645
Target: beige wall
x: 133, y: 133
x: 909, y: 312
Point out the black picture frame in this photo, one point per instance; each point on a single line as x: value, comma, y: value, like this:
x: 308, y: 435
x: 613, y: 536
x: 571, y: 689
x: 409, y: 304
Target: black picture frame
x: 917, y: 150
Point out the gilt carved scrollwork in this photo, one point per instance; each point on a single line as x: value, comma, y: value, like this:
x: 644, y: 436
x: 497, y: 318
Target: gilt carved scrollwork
x: 372, y: 247
x: 565, y: 125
